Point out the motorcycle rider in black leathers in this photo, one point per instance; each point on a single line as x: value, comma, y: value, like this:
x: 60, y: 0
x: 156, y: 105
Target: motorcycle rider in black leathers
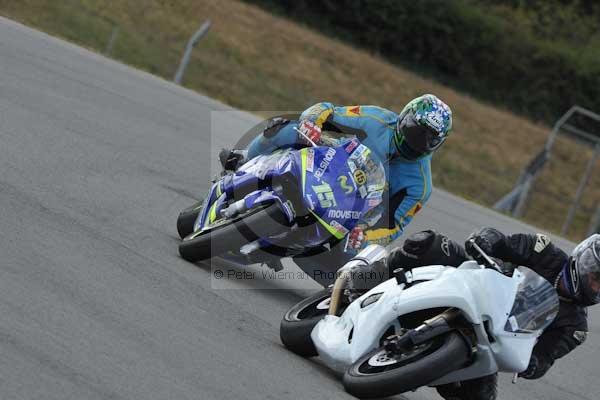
x: 576, y: 279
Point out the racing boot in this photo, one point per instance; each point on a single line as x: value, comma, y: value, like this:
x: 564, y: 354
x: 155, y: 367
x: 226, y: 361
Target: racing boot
x: 271, y: 261
x: 263, y: 258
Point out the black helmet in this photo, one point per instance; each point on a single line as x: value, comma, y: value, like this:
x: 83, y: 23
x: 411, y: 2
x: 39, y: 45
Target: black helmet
x: 585, y: 270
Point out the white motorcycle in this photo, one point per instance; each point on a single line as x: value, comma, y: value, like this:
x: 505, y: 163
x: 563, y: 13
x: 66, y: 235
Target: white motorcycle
x: 431, y: 326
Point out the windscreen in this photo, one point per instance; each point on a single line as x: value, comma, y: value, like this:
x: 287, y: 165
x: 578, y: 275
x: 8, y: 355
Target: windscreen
x: 536, y: 304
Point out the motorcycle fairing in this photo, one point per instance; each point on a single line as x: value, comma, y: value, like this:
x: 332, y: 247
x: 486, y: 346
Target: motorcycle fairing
x: 340, y: 184
x: 441, y: 287
x: 327, y: 177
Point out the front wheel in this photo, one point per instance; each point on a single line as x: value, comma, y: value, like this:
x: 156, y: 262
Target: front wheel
x: 381, y: 374
x: 299, y: 321
x: 187, y: 218
x: 225, y: 235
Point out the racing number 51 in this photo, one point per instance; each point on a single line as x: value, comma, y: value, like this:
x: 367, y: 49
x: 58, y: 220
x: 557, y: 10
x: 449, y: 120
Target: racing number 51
x: 325, y: 195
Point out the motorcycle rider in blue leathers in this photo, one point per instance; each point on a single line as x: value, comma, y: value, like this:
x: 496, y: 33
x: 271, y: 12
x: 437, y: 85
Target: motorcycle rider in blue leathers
x: 403, y: 142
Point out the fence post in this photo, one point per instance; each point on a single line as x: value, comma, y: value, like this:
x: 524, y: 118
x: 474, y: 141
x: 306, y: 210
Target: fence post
x: 188, y: 51
x: 111, y: 41
x: 595, y: 223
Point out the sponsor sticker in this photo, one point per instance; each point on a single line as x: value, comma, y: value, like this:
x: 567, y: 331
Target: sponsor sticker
x: 352, y: 166
x: 310, y: 160
x: 360, y: 151
x: 343, y: 181
x: 352, y: 145
x: 325, y: 163
x: 375, y: 194
x: 359, y: 177
x: 374, y: 202
x: 445, y: 246
x: 344, y: 214
x: 339, y: 227
x: 541, y: 243
x: 363, y: 191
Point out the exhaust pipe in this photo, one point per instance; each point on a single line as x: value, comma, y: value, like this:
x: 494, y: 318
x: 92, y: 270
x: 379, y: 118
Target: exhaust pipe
x: 370, y: 255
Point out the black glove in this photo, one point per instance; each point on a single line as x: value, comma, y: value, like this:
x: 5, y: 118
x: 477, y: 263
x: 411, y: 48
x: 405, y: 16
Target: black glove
x: 505, y: 267
x: 538, y: 366
x: 231, y: 159
x: 490, y: 240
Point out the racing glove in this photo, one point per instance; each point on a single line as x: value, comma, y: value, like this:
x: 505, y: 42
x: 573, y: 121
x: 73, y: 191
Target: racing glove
x: 538, y: 366
x: 357, y: 238
x: 311, y: 130
x: 490, y: 240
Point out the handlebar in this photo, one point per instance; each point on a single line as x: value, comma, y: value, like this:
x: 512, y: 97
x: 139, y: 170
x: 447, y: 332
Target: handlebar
x: 313, y: 144
x: 488, y: 261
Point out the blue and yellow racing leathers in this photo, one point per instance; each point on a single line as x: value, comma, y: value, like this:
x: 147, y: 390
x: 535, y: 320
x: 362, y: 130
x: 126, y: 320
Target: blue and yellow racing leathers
x: 409, y: 182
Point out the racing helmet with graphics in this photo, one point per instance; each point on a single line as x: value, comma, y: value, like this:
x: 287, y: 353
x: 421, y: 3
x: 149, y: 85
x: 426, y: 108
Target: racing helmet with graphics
x: 585, y: 270
x: 422, y: 127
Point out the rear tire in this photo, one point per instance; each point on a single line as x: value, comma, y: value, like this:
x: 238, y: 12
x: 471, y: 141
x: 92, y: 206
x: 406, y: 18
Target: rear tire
x: 299, y: 321
x: 231, y: 235
x: 370, y: 376
x: 187, y: 219
x: 484, y: 388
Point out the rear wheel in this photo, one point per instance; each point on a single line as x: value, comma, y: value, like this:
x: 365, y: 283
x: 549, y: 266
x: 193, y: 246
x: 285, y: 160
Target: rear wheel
x: 299, y: 321
x: 381, y: 373
x: 225, y: 235
x: 484, y: 388
x: 187, y: 219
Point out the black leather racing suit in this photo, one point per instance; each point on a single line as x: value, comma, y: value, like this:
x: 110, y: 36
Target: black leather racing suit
x: 568, y: 330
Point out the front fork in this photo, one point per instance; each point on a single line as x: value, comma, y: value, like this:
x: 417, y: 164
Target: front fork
x: 450, y: 320
x: 229, y: 187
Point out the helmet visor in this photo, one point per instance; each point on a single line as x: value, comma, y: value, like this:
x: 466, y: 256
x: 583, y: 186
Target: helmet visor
x: 588, y: 269
x: 420, y: 138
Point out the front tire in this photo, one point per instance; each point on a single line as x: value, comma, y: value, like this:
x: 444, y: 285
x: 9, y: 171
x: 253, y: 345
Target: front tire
x: 232, y: 234
x: 299, y: 321
x: 378, y: 374
x: 187, y: 219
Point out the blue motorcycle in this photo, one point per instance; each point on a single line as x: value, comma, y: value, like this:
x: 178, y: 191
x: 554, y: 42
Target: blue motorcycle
x: 286, y: 203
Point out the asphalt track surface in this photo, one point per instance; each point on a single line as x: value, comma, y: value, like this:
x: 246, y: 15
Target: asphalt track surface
x: 96, y: 160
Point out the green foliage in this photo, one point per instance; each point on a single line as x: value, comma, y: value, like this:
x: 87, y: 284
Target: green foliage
x: 536, y: 57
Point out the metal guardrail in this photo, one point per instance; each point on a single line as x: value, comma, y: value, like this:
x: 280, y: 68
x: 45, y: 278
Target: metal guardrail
x: 112, y: 40
x: 188, y: 51
x: 595, y: 224
x: 582, y: 184
x: 516, y: 200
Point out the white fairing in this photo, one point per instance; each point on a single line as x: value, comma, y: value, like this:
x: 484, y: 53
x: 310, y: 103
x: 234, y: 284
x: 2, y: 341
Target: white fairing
x: 481, y: 294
